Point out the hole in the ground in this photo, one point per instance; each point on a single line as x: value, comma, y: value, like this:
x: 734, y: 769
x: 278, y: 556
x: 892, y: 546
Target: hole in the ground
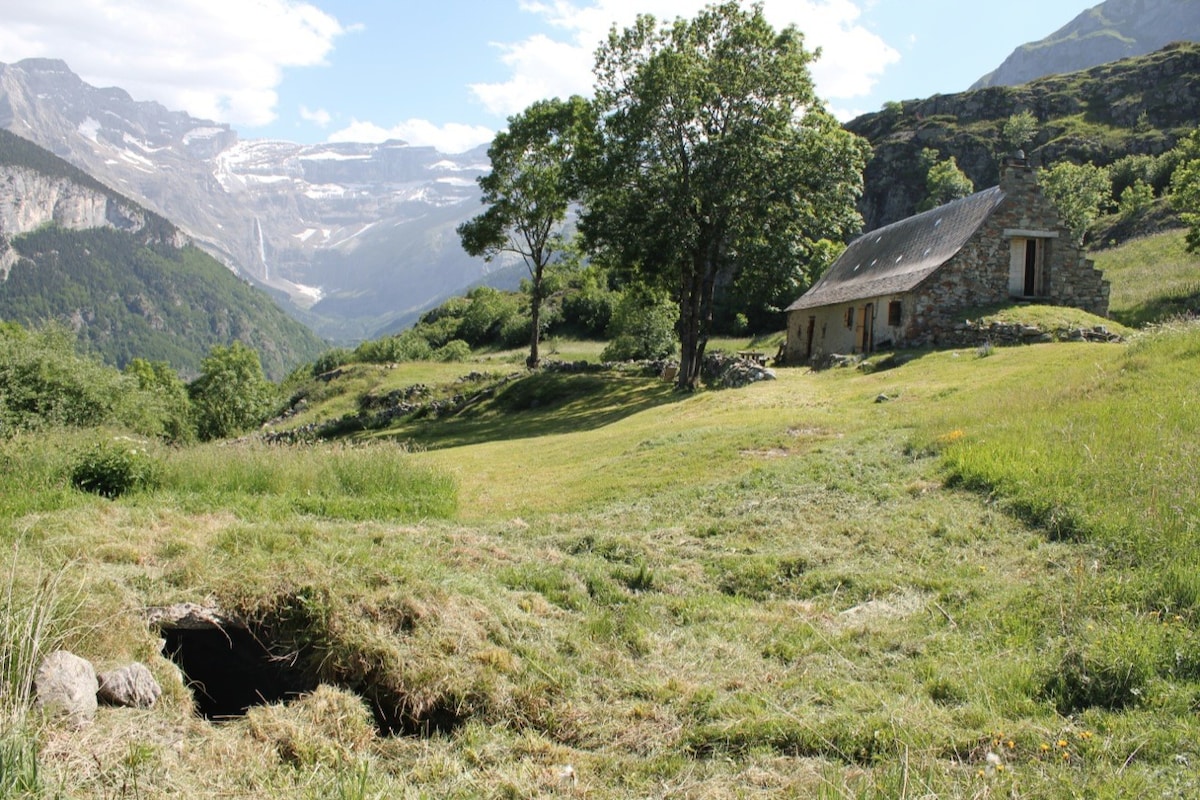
x: 393, y: 720
x: 229, y: 670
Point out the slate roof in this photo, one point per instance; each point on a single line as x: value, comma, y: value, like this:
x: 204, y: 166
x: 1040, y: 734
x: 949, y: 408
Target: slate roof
x: 897, y: 257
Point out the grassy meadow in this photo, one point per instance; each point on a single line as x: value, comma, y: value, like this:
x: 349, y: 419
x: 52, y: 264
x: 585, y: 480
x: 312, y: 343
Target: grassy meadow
x: 971, y: 575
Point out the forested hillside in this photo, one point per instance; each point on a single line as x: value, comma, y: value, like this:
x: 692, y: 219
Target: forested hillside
x: 80, y: 253
x: 128, y: 300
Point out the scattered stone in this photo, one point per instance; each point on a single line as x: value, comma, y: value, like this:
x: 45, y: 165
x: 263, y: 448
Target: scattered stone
x: 132, y: 686
x: 66, y: 686
x: 725, y: 371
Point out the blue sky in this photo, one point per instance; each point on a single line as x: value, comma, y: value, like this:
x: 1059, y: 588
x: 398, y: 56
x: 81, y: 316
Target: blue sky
x: 449, y: 72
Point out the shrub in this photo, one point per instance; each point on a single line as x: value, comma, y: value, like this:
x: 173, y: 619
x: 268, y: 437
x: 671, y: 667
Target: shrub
x: 231, y: 395
x: 1135, y: 199
x: 331, y: 360
x: 588, y: 310
x: 643, y: 327
x: 410, y: 345
x: 517, y: 330
x: 454, y: 350
x: 113, y: 468
x: 45, y: 382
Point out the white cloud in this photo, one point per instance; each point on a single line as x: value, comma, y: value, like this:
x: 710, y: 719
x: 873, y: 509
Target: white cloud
x: 852, y: 57
x: 319, y: 117
x: 452, y: 137
x: 216, y: 59
x: 541, y: 68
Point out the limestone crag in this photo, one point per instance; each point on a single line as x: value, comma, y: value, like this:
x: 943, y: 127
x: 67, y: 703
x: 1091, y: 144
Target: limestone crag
x: 29, y: 200
x: 1142, y: 106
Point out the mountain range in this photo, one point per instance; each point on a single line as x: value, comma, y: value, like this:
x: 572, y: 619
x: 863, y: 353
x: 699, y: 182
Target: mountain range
x: 355, y: 238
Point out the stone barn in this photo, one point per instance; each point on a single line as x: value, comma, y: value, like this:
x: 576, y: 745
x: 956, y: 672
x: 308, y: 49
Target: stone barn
x: 909, y: 283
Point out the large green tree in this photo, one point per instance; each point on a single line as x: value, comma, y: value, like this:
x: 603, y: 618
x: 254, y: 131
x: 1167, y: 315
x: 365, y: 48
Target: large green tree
x: 715, y: 156
x: 529, y: 192
x: 231, y: 395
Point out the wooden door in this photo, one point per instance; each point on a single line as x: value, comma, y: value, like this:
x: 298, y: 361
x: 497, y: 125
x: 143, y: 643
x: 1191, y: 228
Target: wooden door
x: 868, y: 328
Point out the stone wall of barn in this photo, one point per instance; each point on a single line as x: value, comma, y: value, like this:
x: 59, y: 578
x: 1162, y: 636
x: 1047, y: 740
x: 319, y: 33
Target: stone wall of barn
x: 979, y: 275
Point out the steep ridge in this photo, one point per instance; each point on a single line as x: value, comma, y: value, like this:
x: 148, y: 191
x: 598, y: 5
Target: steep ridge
x: 124, y: 278
x: 1110, y: 31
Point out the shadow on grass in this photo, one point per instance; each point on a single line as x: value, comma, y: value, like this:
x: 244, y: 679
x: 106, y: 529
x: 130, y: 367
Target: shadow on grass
x: 542, y: 404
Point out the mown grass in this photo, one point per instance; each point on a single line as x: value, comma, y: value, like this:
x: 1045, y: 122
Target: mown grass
x: 980, y: 587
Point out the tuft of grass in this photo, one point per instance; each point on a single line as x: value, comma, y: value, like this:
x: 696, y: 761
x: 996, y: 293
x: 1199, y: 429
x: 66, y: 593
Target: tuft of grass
x: 36, y: 618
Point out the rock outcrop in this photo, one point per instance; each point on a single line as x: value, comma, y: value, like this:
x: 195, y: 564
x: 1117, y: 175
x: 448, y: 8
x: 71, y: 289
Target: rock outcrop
x: 30, y: 199
x: 1142, y: 106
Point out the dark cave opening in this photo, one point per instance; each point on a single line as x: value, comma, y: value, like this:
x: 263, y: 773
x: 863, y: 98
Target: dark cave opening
x: 229, y: 670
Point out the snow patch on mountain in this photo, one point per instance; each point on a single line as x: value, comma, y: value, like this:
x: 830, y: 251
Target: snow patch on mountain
x: 137, y: 160
x: 90, y: 129
x: 201, y: 133
x: 327, y: 191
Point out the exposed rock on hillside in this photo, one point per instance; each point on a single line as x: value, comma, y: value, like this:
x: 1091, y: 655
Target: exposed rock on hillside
x: 1141, y: 105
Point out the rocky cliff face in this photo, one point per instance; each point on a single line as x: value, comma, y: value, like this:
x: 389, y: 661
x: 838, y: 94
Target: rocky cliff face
x: 30, y: 199
x: 1142, y: 105
x: 359, y: 234
x: 1110, y: 31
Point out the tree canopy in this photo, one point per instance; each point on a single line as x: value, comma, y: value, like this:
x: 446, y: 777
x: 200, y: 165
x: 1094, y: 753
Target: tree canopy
x: 716, y: 161
x: 1079, y: 192
x: 528, y: 192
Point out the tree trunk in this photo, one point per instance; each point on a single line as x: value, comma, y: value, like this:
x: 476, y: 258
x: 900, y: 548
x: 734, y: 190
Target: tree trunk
x: 691, y: 348
x: 535, y: 313
x: 696, y: 310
